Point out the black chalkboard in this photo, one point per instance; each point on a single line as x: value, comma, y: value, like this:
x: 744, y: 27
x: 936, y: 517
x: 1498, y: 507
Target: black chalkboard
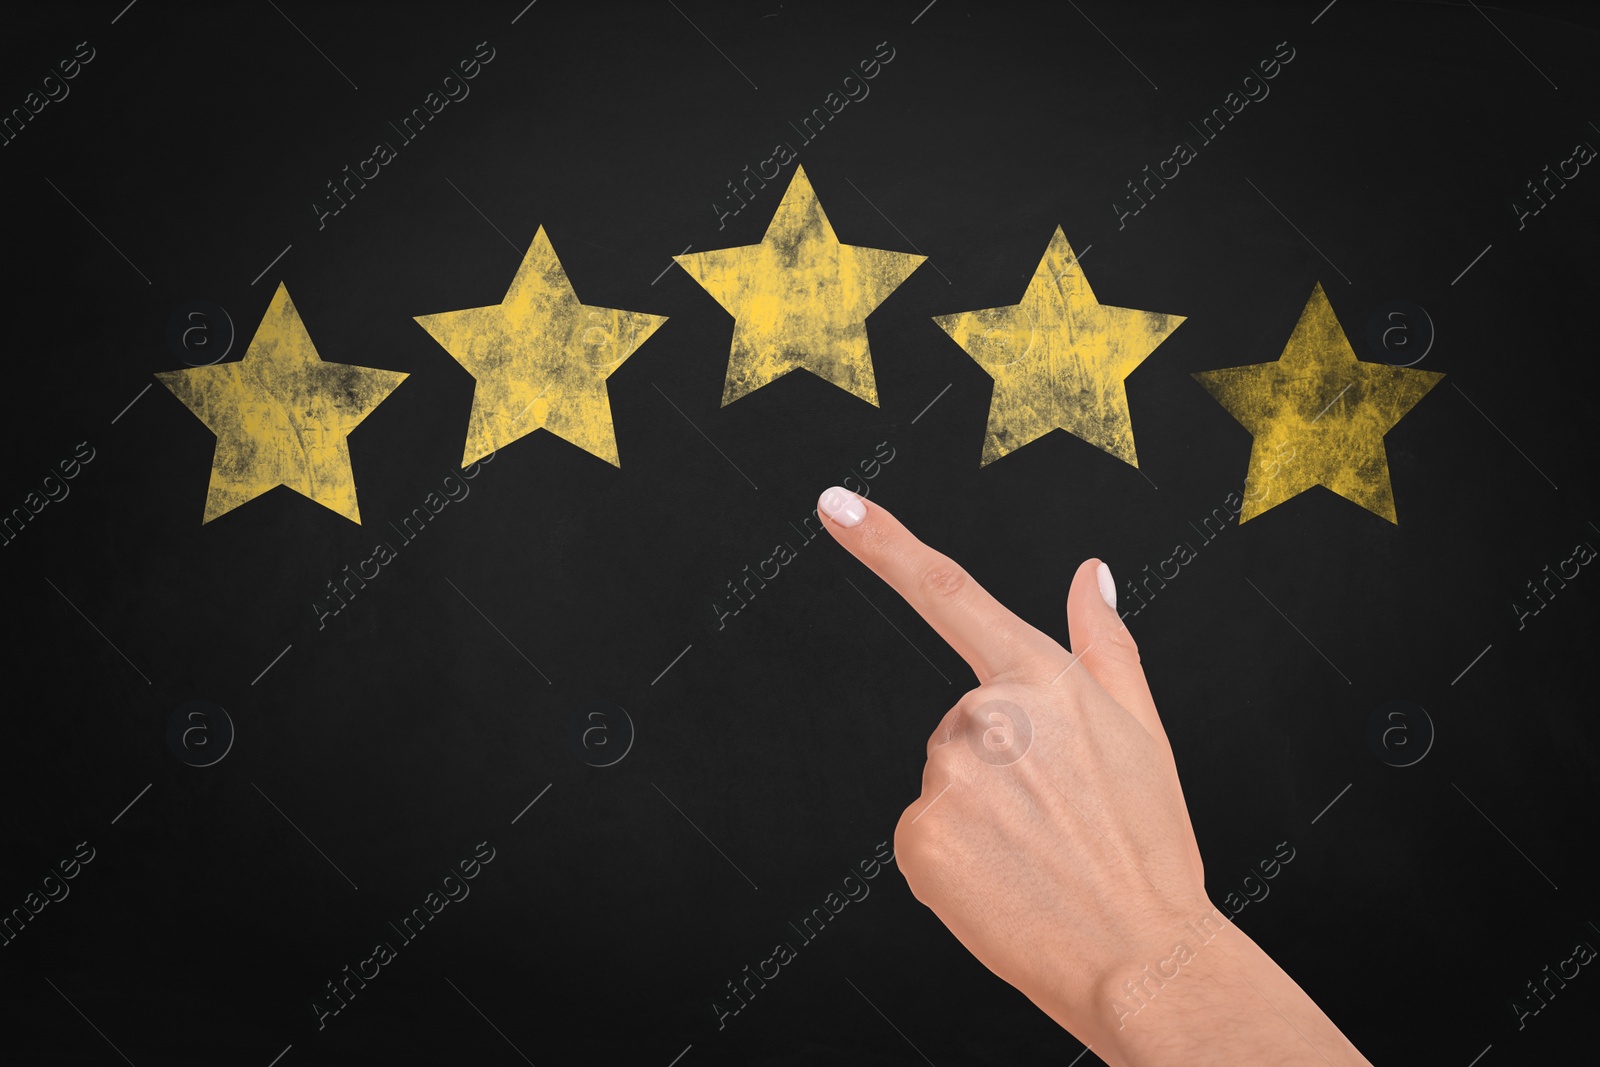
x: 255, y: 769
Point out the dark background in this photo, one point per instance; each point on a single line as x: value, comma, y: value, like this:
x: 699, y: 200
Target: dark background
x: 409, y: 729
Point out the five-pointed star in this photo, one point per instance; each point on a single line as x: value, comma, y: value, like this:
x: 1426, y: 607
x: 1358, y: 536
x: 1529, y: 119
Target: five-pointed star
x: 281, y: 415
x: 541, y: 358
x: 1318, y: 415
x: 1059, y: 358
x: 800, y: 299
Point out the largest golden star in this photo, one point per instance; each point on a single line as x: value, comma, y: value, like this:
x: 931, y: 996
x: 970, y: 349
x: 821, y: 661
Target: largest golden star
x: 1059, y: 358
x: 800, y: 299
x: 541, y: 359
x: 281, y: 415
x: 1318, y: 415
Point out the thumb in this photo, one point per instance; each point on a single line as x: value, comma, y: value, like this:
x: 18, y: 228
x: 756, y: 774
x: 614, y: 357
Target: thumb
x: 1102, y: 643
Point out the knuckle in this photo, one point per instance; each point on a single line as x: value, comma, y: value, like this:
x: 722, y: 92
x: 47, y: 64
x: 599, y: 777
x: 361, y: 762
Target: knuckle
x: 910, y: 838
x: 1123, y: 637
x: 954, y: 721
x: 942, y: 579
x: 945, y: 760
x: 1000, y: 731
x: 973, y: 717
x: 904, y: 848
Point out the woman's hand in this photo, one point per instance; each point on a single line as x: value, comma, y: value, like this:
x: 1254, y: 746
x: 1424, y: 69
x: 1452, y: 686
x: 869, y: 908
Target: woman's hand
x: 1052, y: 837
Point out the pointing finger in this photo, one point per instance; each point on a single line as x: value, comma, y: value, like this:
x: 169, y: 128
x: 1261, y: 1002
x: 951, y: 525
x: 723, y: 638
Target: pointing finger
x: 985, y: 633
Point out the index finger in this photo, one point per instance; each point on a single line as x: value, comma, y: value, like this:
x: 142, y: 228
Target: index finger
x: 983, y: 631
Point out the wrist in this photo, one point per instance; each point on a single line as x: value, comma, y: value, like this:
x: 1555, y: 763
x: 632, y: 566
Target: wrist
x: 1136, y: 989
x: 1146, y: 999
x: 1219, y: 998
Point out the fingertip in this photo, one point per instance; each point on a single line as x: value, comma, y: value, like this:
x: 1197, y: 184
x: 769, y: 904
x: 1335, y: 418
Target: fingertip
x: 1093, y: 574
x: 841, y: 506
x: 1092, y: 613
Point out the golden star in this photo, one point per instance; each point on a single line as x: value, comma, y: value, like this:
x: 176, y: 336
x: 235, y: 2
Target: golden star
x: 1059, y: 358
x: 281, y: 415
x: 541, y: 359
x: 1318, y: 415
x: 800, y: 299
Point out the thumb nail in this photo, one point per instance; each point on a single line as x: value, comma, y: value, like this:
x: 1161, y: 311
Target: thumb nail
x: 1108, y: 588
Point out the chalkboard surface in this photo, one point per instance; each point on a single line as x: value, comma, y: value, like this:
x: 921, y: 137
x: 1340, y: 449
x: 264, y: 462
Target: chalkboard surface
x: 541, y: 759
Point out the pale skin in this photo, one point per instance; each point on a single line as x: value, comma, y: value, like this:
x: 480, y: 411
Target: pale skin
x: 1052, y: 837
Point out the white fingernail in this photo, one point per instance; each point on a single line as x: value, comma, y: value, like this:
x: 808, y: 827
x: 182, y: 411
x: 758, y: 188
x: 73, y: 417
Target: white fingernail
x: 843, y: 506
x: 1108, y: 588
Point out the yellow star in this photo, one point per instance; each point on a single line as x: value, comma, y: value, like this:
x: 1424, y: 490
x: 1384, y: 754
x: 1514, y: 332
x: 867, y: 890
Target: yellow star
x: 1318, y: 415
x: 800, y: 299
x: 281, y: 415
x: 1059, y: 358
x: 541, y: 359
